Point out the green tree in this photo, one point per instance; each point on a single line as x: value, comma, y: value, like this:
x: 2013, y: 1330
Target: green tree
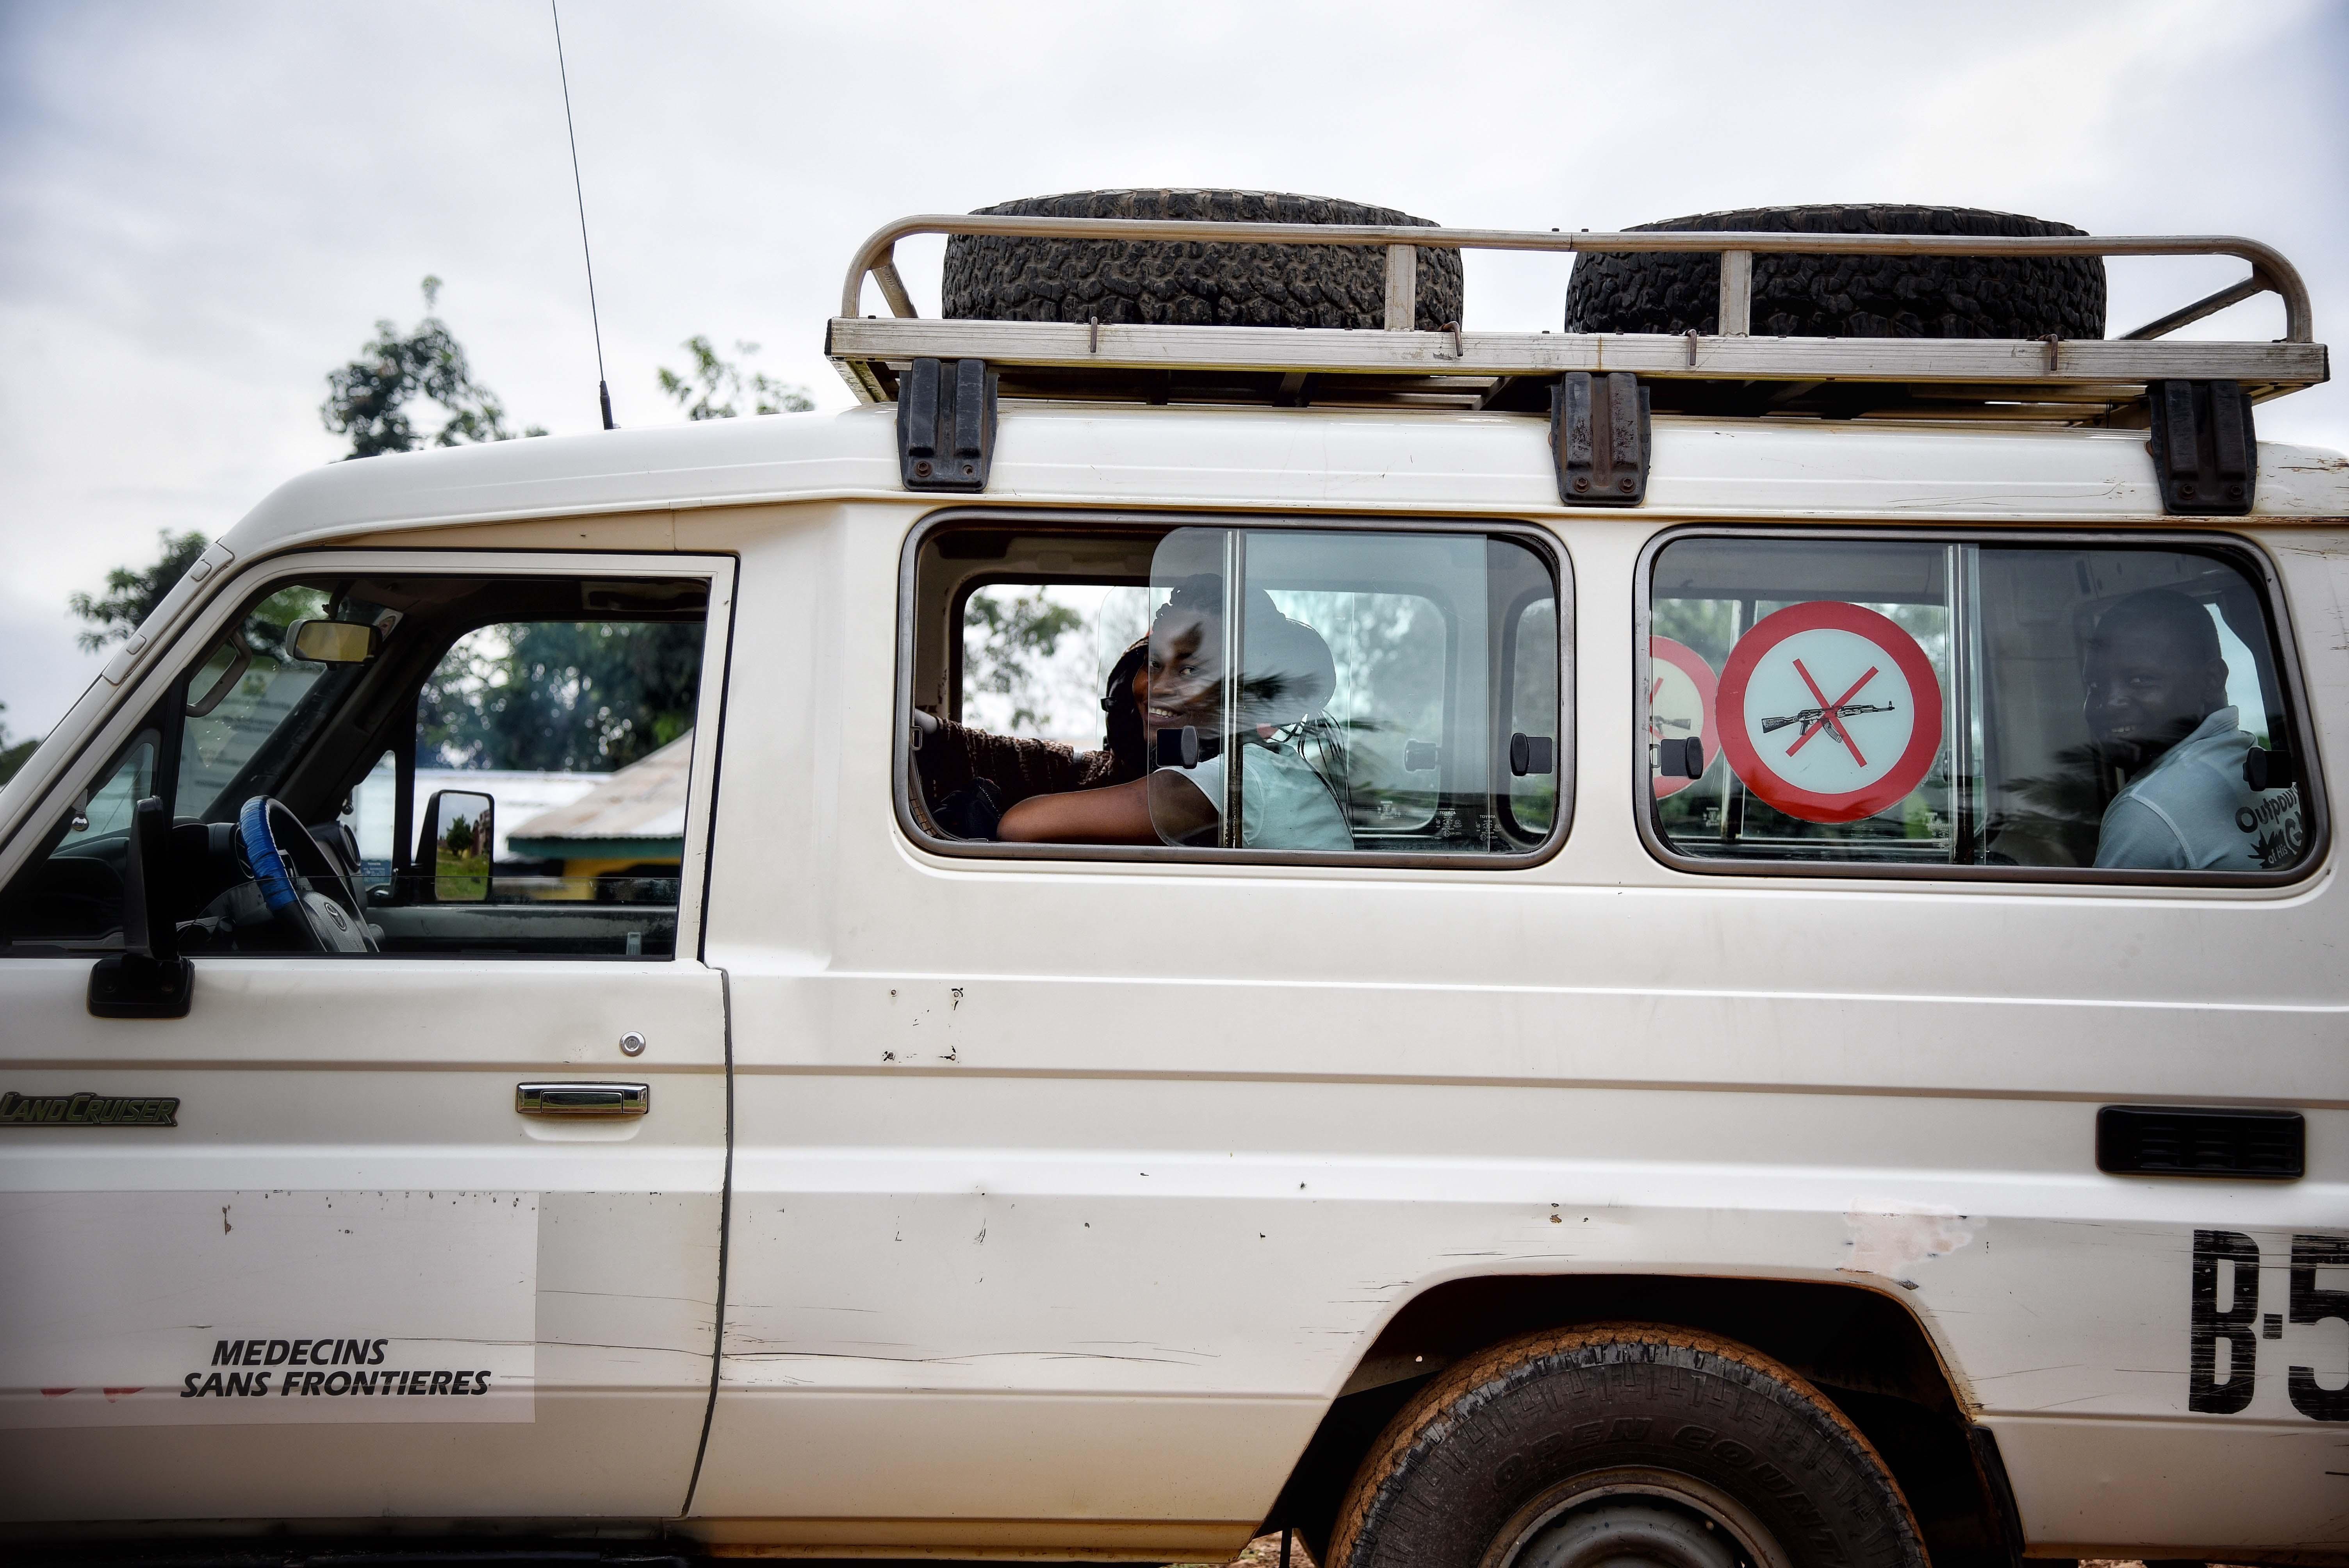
x: 368, y: 398
x: 714, y: 386
x: 14, y: 753
x: 562, y: 695
x: 132, y: 593
x: 1004, y: 637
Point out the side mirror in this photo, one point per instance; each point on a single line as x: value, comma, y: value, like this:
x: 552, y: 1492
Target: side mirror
x: 149, y: 978
x: 333, y: 642
x: 454, y: 850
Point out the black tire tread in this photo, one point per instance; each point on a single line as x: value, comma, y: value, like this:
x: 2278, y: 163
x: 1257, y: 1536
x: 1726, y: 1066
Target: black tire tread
x: 993, y: 277
x: 1414, y: 1443
x: 1798, y: 296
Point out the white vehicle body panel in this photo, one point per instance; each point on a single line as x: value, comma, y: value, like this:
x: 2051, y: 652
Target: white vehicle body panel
x: 1065, y: 1197
x: 345, y: 1132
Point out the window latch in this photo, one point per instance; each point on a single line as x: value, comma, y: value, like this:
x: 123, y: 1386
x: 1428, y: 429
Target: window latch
x: 2265, y: 769
x: 1680, y: 758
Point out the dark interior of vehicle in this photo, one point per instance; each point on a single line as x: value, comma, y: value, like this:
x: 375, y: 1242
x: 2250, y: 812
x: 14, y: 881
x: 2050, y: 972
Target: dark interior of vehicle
x: 259, y: 752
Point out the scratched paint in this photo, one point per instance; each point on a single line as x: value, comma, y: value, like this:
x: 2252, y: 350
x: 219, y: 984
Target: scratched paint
x: 1891, y: 1240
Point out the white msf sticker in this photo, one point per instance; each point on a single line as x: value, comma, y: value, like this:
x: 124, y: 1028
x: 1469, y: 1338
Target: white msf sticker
x: 204, y: 1308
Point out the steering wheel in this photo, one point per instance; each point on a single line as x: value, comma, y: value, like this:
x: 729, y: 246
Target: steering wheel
x: 274, y: 848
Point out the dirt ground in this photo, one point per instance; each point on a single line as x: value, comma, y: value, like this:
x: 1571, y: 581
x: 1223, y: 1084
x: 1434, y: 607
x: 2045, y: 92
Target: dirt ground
x: 1264, y: 1552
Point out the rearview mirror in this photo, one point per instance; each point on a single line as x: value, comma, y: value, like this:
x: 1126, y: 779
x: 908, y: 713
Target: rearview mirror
x: 454, y: 850
x: 333, y: 642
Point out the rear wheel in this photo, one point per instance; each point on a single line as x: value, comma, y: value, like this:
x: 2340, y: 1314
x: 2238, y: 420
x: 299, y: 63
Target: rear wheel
x: 1576, y: 1448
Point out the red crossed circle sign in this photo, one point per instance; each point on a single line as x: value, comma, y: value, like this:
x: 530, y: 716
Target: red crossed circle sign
x: 1829, y: 711
x: 1681, y: 689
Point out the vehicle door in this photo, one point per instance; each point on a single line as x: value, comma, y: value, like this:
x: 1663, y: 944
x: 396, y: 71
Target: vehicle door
x: 414, y: 1209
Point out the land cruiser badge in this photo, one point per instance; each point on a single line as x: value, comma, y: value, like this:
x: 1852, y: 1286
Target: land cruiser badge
x: 87, y: 1110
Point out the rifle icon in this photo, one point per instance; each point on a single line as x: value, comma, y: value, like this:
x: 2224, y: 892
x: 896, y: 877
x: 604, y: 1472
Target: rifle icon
x: 1828, y: 715
x: 1813, y: 715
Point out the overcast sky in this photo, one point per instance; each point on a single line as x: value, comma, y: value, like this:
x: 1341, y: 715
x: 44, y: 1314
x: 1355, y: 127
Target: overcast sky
x: 203, y: 208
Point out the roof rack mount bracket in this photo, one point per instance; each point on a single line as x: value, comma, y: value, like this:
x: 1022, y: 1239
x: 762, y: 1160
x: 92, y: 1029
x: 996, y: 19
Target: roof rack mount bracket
x: 2205, y: 451
x: 946, y: 425
x: 1599, y: 439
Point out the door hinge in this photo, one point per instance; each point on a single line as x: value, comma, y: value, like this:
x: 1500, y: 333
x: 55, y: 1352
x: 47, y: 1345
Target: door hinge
x: 2206, y: 452
x: 946, y: 424
x: 1599, y: 436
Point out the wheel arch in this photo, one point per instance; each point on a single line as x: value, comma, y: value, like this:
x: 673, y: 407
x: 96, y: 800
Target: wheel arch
x: 1868, y: 1352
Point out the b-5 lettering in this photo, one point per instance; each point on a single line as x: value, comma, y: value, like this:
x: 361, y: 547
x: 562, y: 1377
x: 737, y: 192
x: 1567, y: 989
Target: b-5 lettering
x: 2310, y: 1304
x: 2224, y: 1315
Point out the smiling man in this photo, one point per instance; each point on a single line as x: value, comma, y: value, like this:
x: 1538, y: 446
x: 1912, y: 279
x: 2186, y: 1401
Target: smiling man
x: 2156, y: 705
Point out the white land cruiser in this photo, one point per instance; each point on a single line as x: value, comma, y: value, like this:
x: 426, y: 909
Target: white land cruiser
x: 1766, y: 990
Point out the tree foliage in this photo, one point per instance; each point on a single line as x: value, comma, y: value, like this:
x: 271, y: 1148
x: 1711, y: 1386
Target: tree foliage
x: 368, y: 399
x: 562, y: 695
x: 1004, y: 637
x: 714, y: 387
x: 14, y: 753
x: 132, y: 593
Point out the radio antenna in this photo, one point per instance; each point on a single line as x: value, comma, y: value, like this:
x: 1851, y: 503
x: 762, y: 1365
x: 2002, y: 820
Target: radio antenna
x: 603, y: 386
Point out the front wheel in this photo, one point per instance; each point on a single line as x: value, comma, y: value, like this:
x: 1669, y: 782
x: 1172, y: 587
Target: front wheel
x: 1588, y: 1447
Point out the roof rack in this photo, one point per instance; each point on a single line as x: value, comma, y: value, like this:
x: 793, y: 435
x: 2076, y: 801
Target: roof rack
x: 1731, y: 372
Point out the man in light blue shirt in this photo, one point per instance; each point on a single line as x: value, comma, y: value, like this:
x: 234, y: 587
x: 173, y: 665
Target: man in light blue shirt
x: 2157, y: 706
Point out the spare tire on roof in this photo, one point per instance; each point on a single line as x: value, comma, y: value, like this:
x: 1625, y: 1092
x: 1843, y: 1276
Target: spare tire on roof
x: 995, y: 277
x: 1798, y: 296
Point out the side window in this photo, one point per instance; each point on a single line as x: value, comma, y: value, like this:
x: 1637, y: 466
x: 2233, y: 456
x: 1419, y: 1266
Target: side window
x: 580, y: 734
x: 71, y: 897
x: 1396, y: 693
x: 1933, y: 703
x: 420, y: 764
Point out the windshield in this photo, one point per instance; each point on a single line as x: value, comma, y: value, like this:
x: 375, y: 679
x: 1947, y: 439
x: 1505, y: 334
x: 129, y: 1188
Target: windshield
x: 252, y: 704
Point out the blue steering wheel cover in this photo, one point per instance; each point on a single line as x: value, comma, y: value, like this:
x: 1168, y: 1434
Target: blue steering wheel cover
x: 269, y: 869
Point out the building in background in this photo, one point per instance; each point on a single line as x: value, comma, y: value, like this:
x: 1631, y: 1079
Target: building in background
x: 625, y: 829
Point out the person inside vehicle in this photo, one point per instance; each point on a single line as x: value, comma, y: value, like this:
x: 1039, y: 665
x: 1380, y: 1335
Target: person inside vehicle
x: 969, y: 778
x: 2156, y: 703
x: 1167, y: 682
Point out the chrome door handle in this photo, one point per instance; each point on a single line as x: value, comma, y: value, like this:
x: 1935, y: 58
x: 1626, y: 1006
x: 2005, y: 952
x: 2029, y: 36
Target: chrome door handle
x: 583, y: 1098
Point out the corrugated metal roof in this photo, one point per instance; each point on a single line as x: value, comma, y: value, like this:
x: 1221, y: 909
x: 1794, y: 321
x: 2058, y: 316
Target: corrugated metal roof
x: 646, y: 800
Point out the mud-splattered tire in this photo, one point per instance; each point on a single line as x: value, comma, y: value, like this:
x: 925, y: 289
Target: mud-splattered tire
x: 1623, y: 1439
x: 1124, y: 282
x: 1848, y: 296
